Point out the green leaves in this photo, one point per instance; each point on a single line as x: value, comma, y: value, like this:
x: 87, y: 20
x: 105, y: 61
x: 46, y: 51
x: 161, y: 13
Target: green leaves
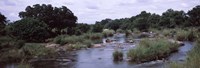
x: 29, y: 29
x: 54, y: 17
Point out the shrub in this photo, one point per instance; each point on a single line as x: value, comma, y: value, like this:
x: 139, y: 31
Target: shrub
x: 10, y: 49
x: 183, y: 35
x: 36, y: 50
x: 117, y: 55
x: 120, y: 31
x: 29, y: 29
x: 7, y: 43
x: 108, y: 33
x: 76, y: 46
x: 95, y: 36
x: 149, y: 50
x: 88, y: 43
x: 128, y: 33
x: 12, y: 55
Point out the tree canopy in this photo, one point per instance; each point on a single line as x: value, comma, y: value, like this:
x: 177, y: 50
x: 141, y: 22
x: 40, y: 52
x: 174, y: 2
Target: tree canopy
x: 194, y: 16
x: 54, y: 17
x: 29, y: 29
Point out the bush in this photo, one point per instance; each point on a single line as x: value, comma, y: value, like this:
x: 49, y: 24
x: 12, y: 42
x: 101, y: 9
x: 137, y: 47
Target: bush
x: 7, y: 43
x: 29, y: 29
x: 88, y: 43
x: 64, y: 39
x: 183, y: 35
x: 117, y: 55
x: 149, y: 50
x: 108, y: 33
x: 36, y: 50
x: 120, y: 31
x: 76, y: 46
x: 12, y: 55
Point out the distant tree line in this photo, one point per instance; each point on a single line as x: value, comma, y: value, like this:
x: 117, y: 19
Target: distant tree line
x: 143, y: 21
x: 39, y: 22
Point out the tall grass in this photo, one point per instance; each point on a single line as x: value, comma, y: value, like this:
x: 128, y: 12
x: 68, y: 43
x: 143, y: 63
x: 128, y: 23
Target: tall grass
x: 186, y: 35
x: 36, y: 50
x: 149, y: 50
x: 86, y: 39
x: 117, y: 55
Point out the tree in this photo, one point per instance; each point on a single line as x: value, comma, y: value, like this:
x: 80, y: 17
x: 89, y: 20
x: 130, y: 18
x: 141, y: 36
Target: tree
x: 83, y: 27
x: 2, y: 22
x: 97, y: 28
x: 54, y: 17
x: 194, y: 16
x: 29, y: 29
x: 172, y: 19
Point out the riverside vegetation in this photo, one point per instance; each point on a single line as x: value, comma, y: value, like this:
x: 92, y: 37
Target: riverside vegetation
x: 23, y: 40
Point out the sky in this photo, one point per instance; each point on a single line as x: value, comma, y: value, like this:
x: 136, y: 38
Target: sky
x: 90, y: 11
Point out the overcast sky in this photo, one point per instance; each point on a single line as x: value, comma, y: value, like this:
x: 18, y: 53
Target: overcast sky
x: 89, y: 11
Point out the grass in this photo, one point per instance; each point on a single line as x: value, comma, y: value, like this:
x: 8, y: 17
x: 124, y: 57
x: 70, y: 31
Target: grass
x: 36, y: 50
x: 76, y: 46
x: 149, y: 50
x: 186, y: 35
x: 117, y: 55
x: 77, y: 42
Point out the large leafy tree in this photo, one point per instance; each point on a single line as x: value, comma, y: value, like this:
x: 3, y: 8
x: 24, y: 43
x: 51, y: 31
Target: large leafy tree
x: 29, y: 29
x: 194, y: 16
x: 55, y: 17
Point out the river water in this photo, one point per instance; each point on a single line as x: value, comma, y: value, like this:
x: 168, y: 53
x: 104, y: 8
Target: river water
x: 102, y: 57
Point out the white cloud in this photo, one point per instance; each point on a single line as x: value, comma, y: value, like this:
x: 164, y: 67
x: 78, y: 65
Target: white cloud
x: 89, y: 11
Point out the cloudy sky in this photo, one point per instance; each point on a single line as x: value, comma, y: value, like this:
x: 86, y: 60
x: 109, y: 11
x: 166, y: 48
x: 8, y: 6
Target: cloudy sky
x: 89, y: 11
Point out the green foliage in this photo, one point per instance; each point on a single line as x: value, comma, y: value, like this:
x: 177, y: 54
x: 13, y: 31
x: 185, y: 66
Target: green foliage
x: 97, y: 28
x: 86, y: 39
x: 149, y: 50
x: 54, y: 17
x: 88, y: 43
x: 186, y: 35
x: 117, y: 55
x: 172, y: 19
x: 194, y: 16
x: 7, y: 43
x: 120, y: 31
x: 76, y: 46
x: 30, y: 29
x: 9, y: 49
x: 37, y: 50
x: 108, y: 32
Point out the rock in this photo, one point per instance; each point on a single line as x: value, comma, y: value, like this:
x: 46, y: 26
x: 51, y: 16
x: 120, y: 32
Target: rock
x: 108, y: 40
x: 178, y: 42
x: 97, y: 45
x: 63, y: 60
x: 52, y: 45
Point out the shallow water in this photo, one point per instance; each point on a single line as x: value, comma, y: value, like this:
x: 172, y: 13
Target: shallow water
x: 102, y: 57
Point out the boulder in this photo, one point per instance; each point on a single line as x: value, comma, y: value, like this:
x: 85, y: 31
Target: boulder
x: 97, y: 45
